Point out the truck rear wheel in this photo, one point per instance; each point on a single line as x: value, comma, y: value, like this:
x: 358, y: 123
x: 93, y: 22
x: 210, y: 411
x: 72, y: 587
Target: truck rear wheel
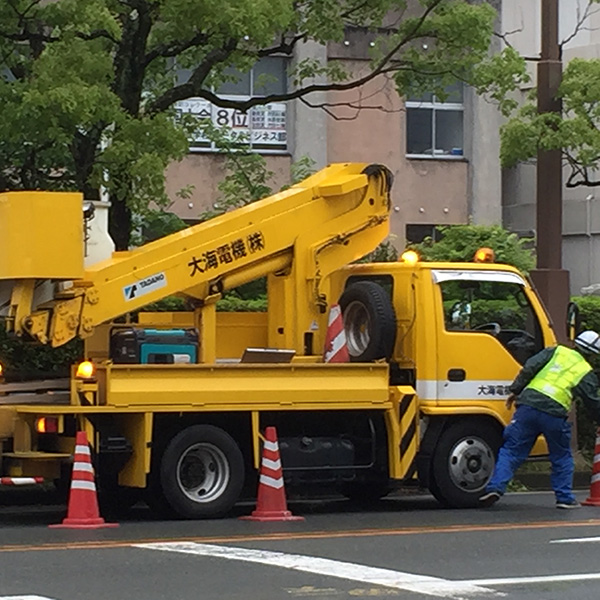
x: 369, y: 321
x: 201, y: 472
x: 463, y: 462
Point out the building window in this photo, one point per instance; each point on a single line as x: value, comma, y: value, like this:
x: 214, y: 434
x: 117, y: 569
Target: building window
x: 264, y: 128
x: 434, y: 128
x: 415, y: 234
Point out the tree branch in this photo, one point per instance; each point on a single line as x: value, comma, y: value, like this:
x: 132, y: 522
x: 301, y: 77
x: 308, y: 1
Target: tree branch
x: 579, y: 176
x: 328, y: 107
x: 284, y: 47
x: 193, y: 88
x: 582, y: 18
x: 175, y: 48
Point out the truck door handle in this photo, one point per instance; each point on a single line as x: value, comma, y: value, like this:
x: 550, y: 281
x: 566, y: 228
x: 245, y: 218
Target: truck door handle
x: 456, y: 375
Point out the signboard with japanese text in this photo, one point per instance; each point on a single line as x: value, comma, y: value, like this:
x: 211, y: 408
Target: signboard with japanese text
x: 227, y: 253
x: 262, y: 127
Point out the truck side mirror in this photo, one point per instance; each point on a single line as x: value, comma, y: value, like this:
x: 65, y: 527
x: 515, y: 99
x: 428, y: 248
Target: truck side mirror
x: 573, y: 320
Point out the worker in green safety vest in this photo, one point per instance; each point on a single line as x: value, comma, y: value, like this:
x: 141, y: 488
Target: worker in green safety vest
x: 543, y: 392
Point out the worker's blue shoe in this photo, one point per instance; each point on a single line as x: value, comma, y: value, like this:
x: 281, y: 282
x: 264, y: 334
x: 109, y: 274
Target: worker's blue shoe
x: 569, y: 504
x: 489, y: 498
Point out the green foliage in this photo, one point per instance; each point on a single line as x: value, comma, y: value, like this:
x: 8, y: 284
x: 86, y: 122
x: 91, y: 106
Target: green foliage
x: 168, y: 304
x: 575, y: 132
x: 589, y: 311
x: 23, y: 360
x: 89, y: 91
x: 460, y: 242
x: 457, y: 40
x: 155, y: 224
x: 246, y: 174
x: 385, y: 252
x: 302, y: 169
x: 589, y: 307
x: 232, y: 302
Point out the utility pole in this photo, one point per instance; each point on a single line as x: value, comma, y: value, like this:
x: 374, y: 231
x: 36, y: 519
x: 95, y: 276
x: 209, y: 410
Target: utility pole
x: 550, y: 279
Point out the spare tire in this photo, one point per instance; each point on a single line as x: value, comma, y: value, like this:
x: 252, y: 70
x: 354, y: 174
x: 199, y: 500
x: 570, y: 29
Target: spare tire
x: 369, y: 322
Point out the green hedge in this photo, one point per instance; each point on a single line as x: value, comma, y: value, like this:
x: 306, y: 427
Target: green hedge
x: 589, y: 311
x: 27, y: 361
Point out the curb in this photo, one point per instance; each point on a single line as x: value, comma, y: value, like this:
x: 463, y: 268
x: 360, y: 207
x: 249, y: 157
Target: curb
x: 541, y: 481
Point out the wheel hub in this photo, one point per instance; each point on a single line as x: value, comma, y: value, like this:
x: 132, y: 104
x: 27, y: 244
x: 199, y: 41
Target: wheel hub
x: 203, y: 472
x: 358, y: 325
x: 471, y: 464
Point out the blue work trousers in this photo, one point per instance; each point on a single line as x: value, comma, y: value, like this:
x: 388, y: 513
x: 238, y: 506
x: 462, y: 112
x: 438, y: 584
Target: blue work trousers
x: 519, y: 437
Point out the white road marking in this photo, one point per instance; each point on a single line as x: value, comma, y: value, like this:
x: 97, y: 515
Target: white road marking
x: 24, y: 598
x: 576, y: 540
x: 422, y: 584
x: 534, y: 579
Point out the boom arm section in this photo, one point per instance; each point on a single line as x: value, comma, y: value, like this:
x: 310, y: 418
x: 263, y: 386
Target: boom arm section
x: 332, y: 218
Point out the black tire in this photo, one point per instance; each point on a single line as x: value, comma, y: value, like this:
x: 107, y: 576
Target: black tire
x: 463, y: 462
x: 201, y: 473
x: 369, y: 322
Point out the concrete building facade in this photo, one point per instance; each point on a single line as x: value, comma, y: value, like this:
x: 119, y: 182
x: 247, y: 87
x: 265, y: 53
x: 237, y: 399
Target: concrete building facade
x: 444, y: 156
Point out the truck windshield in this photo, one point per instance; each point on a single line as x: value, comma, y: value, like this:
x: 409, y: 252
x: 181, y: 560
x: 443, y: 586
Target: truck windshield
x: 498, y: 308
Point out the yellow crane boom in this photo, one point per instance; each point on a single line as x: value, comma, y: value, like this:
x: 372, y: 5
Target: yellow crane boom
x: 297, y: 237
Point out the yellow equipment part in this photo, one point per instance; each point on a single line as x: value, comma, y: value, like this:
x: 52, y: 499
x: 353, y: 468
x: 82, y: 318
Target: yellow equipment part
x: 52, y: 225
x: 298, y: 237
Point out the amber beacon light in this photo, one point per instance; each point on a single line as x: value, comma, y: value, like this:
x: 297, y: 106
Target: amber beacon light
x: 86, y: 370
x: 410, y: 257
x: 484, y: 255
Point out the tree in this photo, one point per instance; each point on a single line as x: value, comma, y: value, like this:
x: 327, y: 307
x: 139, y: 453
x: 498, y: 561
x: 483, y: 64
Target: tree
x: 89, y: 89
x: 458, y: 243
x: 575, y: 131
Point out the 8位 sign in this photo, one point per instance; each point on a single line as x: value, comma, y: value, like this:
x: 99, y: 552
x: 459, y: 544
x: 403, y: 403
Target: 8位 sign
x: 261, y: 126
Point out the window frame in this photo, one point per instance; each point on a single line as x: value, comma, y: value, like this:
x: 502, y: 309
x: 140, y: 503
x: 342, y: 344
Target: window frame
x: 435, y: 105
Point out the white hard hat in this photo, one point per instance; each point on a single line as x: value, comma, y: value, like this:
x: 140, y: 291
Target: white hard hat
x: 588, y: 341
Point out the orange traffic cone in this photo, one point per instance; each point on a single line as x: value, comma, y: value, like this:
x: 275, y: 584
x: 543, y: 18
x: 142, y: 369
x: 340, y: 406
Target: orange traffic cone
x: 336, y: 346
x: 83, y: 510
x: 271, y: 504
x: 594, y: 498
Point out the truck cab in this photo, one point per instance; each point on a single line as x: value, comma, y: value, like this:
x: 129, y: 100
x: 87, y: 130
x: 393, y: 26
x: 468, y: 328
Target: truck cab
x: 458, y: 333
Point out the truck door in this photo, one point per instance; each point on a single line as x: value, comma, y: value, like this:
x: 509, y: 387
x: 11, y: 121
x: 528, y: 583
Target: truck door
x: 487, y: 326
x: 487, y: 329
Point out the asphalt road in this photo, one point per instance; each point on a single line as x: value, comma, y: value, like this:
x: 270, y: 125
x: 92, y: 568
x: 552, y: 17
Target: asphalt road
x: 402, y: 547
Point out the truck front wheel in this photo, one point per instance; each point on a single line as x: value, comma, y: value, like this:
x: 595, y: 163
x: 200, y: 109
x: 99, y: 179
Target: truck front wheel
x: 463, y: 462
x: 201, y: 472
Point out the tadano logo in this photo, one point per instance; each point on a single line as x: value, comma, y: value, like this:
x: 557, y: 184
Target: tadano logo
x: 145, y: 286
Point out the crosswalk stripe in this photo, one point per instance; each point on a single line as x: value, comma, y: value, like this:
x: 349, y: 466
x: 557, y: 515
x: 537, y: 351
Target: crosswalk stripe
x: 422, y: 584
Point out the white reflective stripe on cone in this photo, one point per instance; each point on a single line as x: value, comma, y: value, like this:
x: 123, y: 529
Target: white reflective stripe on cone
x: 338, y: 342
x: 83, y: 485
x: 273, y: 446
x: 596, y: 478
x: 270, y: 482
x: 271, y: 464
x: 80, y: 449
x: 83, y: 466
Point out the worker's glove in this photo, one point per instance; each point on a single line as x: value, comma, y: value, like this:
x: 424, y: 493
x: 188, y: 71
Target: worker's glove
x: 510, y: 401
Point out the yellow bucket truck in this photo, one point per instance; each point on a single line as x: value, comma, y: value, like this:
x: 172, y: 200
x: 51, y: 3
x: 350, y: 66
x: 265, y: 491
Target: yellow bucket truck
x: 174, y: 404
